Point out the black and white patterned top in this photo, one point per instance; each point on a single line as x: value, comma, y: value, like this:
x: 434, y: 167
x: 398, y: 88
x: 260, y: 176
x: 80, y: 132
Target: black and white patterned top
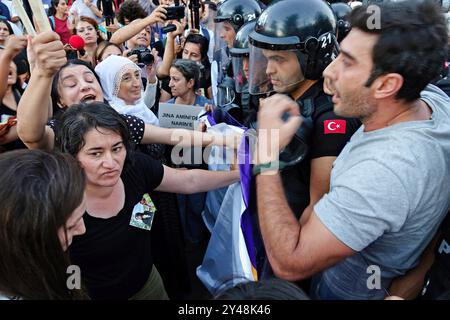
x: 136, y: 127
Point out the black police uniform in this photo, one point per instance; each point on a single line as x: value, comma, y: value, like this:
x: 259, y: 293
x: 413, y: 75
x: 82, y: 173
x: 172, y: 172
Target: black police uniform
x: 316, y: 108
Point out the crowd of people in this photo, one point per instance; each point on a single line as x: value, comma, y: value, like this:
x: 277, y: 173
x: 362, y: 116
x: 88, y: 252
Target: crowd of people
x: 357, y: 178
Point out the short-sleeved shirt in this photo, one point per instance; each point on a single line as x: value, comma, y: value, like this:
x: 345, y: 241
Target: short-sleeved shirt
x: 115, y: 257
x: 389, y: 191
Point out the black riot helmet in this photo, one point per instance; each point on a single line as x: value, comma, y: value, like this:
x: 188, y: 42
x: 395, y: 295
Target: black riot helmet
x: 237, y: 12
x: 240, y: 56
x: 305, y: 28
x: 341, y: 11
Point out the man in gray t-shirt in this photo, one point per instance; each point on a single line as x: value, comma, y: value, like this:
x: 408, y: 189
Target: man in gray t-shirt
x: 389, y: 191
x: 390, y: 186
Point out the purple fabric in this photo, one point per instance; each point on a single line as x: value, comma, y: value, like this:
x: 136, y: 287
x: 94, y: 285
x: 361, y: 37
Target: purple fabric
x: 211, y: 119
x: 244, y: 160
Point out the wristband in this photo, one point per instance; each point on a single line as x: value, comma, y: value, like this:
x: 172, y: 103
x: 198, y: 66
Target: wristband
x: 260, y: 168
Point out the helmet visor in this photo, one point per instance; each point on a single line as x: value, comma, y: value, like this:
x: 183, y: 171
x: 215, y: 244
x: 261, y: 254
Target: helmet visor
x: 224, y: 35
x: 241, y: 72
x: 274, y: 70
x: 225, y: 92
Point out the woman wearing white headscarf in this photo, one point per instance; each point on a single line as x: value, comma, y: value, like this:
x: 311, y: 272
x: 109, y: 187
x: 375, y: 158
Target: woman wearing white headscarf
x: 122, y: 87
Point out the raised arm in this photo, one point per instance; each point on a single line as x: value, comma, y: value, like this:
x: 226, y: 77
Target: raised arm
x: 184, y: 138
x: 295, y: 251
x: 95, y: 10
x: 193, y: 181
x: 32, y: 112
x: 129, y: 31
x: 169, y: 50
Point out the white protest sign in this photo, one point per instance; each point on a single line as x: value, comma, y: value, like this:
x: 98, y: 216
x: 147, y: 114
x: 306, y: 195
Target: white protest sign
x: 178, y: 116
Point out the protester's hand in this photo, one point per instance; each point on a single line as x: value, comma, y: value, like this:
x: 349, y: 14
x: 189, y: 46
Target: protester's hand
x: 133, y: 57
x: 273, y: 132
x: 179, y: 30
x: 208, y: 107
x: 46, y: 52
x: 158, y: 15
x: 202, y: 125
x: 179, y: 46
x: 13, y: 45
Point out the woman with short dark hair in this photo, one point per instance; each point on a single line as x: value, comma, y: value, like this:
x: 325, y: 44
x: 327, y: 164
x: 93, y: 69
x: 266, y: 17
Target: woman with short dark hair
x: 184, y: 83
x: 115, y: 253
x: 41, y: 210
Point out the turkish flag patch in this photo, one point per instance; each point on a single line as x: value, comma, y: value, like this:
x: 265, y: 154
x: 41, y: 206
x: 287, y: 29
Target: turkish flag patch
x: 334, y: 126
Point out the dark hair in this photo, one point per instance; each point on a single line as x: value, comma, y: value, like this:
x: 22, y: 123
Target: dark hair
x: 93, y: 23
x: 52, y: 10
x: 268, y: 289
x: 189, y: 69
x: 77, y: 120
x: 7, y: 23
x: 412, y: 42
x: 201, y: 41
x: 16, y: 86
x: 55, y: 83
x: 43, y: 189
x: 101, y: 49
x: 132, y: 10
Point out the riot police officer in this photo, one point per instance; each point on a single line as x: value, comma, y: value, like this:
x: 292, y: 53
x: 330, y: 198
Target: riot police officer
x: 231, y: 15
x: 292, y: 43
x: 240, y: 61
